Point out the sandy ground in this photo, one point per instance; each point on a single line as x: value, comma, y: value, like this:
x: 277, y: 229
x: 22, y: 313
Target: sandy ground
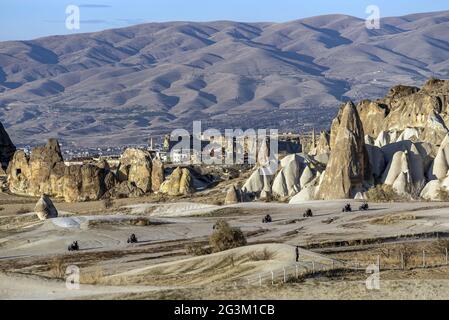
x: 159, y: 261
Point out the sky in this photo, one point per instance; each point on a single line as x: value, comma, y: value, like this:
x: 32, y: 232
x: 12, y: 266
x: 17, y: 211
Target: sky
x: 29, y: 19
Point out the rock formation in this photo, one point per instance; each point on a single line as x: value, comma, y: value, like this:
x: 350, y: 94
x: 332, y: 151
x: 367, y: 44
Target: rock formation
x: 441, y: 163
x: 157, y: 174
x: 45, y: 209
x: 180, y: 182
x: 322, y: 146
x: 287, y: 181
x: 7, y: 148
x: 135, y: 166
x: 31, y: 175
x: 257, y: 182
x: 44, y: 172
x: 232, y: 196
x: 348, y: 165
x: 83, y: 183
x: 421, y: 110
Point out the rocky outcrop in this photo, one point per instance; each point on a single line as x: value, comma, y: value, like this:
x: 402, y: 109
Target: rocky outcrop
x: 45, y: 209
x: 348, y: 165
x: 7, y: 148
x: 44, y: 172
x: 124, y: 189
x: 441, y: 163
x: 306, y: 194
x: 420, y: 113
x: 287, y: 181
x: 257, y: 182
x: 157, y: 174
x: 323, y: 144
x: 31, y: 175
x: 431, y: 191
x: 232, y: 196
x: 135, y: 166
x: 83, y: 183
x: 180, y: 182
x: 372, y: 115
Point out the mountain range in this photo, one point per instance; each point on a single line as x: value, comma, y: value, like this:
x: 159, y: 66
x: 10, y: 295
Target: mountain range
x: 120, y: 86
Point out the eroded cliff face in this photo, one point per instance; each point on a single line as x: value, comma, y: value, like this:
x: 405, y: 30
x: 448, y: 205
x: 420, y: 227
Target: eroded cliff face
x: 7, y: 149
x: 44, y: 172
x: 404, y: 107
x: 348, y: 165
x: 399, y: 140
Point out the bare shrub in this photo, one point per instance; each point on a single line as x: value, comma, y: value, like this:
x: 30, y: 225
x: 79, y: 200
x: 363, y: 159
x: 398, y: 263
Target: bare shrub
x: 443, y: 195
x: 140, y: 222
x: 263, y: 255
x: 383, y: 193
x: 57, y: 268
x: 197, y: 249
x: 23, y: 210
x: 408, y: 252
x: 224, y: 237
x: 440, y: 246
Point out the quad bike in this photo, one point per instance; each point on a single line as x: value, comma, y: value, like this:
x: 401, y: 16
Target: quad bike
x: 73, y: 246
x: 267, y: 219
x: 364, y: 207
x: 308, y: 213
x: 132, y: 239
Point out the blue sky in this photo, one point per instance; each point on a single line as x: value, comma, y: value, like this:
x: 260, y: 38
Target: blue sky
x: 28, y: 19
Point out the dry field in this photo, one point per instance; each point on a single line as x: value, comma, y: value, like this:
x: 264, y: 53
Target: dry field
x: 163, y: 265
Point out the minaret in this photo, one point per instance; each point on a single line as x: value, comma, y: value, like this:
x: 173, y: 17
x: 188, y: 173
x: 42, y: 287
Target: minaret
x: 313, y: 138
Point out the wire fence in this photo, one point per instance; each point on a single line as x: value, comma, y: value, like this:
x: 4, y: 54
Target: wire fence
x: 293, y: 272
x: 289, y: 272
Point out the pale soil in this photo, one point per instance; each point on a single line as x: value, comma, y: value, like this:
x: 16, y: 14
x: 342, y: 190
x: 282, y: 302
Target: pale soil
x: 39, y: 249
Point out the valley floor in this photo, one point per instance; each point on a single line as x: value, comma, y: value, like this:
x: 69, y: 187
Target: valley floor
x: 336, y: 249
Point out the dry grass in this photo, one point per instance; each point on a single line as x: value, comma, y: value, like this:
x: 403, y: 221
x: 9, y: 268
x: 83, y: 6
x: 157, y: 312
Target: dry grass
x: 17, y: 222
x: 138, y: 221
x: 197, y: 249
x: 23, y: 210
x: 93, y: 277
x: 396, y: 256
x: 263, y: 255
x: 392, y: 219
x: 383, y: 193
x: 57, y: 268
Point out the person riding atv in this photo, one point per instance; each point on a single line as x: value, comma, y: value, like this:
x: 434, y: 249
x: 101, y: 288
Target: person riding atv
x: 308, y: 213
x: 73, y: 246
x: 267, y: 219
x: 364, y: 206
x: 347, y: 208
x: 132, y: 239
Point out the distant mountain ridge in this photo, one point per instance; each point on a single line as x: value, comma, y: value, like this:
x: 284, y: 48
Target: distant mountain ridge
x: 122, y: 85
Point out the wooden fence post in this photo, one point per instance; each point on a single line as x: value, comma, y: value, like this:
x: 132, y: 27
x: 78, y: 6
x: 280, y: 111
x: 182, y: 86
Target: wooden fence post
x: 313, y: 266
x: 285, y: 276
x: 296, y: 271
x: 378, y: 262
x: 402, y: 261
x: 272, y: 278
x: 423, y: 259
